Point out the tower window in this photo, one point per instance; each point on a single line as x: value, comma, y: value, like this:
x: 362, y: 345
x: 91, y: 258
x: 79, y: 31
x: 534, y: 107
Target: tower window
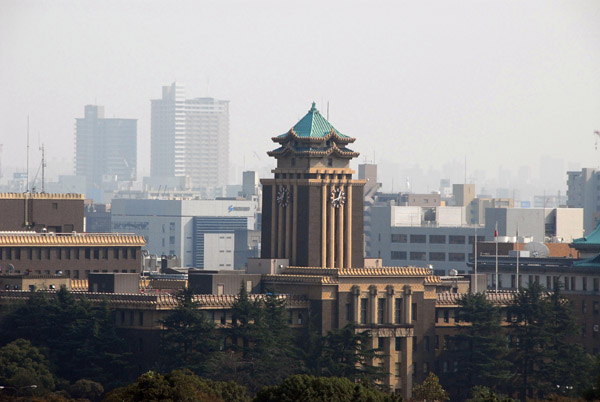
x: 330, y: 162
x: 293, y: 161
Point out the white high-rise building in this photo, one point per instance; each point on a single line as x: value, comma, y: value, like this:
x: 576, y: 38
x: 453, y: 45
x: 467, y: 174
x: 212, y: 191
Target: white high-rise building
x: 190, y: 138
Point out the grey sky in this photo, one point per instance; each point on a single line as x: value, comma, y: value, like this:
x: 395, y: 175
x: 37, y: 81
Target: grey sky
x: 416, y: 82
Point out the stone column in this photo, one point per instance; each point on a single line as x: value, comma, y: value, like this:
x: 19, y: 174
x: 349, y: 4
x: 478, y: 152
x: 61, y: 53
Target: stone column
x: 407, y: 346
x: 274, y: 223
x: 372, y: 319
x: 355, y: 304
x: 294, y: 223
x: 288, y: 231
x: 330, y: 233
x: 324, y: 226
x: 280, y: 234
x: 340, y: 237
x: 406, y: 367
x: 389, y: 305
x: 348, y: 234
x: 407, y: 300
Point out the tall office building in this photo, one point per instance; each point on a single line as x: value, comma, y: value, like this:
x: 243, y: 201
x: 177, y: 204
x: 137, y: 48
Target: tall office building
x: 190, y: 138
x: 104, y: 148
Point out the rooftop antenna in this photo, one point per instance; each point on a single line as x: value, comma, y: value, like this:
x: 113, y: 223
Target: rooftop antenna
x: 27, y: 174
x: 327, y: 110
x: 465, y: 169
x: 43, y: 167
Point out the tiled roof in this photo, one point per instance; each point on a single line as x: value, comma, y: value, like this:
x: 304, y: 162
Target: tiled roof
x: 500, y: 298
x: 40, y: 196
x: 163, y: 300
x: 313, y: 125
x: 313, y: 151
x: 299, y: 278
x: 386, y: 271
x: 75, y: 239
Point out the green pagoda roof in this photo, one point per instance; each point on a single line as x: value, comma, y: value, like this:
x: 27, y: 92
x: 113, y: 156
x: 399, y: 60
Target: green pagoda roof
x: 313, y: 125
x: 590, y: 262
x: 593, y: 239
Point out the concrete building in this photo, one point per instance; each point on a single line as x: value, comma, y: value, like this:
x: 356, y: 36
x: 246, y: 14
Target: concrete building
x: 401, y: 237
x: 583, y: 191
x: 73, y: 255
x: 211, y: 234
x: 190, y: 138
x: 104, y: 147
x: 58, y: 213
x: 558, y: 225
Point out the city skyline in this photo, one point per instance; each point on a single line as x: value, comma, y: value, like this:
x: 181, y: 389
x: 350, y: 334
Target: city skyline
x: 500, y: 85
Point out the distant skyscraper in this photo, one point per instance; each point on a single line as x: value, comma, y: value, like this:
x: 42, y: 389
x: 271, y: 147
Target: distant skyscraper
x: 104, y: 147
x: 190, y: 137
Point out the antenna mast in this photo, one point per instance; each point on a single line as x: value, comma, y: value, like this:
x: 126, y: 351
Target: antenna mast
x: 27, y: 174
x: 43, y: 166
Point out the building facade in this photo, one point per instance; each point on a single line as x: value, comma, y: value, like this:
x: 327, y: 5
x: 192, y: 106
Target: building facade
x: 71, y: 255
x: 190, y: 138
x: 58, y: 213
x: 104, y: 147
x: 211, y: 234
x: 398, y: 243
x: 583, y: 188
x: 312, y: 210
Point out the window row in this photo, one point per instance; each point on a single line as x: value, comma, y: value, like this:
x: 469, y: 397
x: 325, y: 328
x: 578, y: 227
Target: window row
x: 434, y: 239
x: 422, y: 256
x: 67, y: 253
x: 381, y: 306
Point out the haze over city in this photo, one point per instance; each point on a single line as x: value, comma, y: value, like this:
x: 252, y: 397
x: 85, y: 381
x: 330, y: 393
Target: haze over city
x: 510, y: 87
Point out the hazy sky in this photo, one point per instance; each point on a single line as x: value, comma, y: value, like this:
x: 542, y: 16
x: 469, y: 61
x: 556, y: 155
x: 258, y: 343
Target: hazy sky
x: 416, y: 82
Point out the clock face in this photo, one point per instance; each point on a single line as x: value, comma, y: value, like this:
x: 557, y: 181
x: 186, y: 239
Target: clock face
x: 283, y: 196
x: 338, y: 198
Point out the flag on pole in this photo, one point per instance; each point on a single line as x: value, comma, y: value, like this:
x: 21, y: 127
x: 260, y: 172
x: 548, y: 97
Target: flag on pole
x: 496, y: 232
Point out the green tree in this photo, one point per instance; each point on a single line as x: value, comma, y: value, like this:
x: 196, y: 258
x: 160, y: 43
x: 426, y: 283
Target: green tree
x: 188, y: 339
x: 80, y: 339
x: 180, y: 386
x: 307, y: 388
x: 530, y: 335
x: 485, y: 394
x: 261, y: 349
x: 545, y: 359
x: 346, y: 352
x: 87, y: 389
x: 571, y: 370
x: 429, y: 390
x: 481, y: 345
x: 22, y: 365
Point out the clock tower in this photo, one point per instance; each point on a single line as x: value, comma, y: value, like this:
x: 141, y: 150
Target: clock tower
x: 312, y: 208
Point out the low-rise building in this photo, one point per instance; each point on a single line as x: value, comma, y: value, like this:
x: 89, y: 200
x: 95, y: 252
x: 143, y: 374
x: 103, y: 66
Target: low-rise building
x: 73, y: 255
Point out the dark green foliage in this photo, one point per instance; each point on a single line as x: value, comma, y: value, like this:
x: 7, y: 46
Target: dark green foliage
x: 484, y: 394
x: 177, y: 386
x: 481, y: 346
x: 188, y: 340
x: 545, y: 359
x: 87, y: 389
x: 307, y: 388
x: 346, y: 352
x: 80, y: 339
x: 22, y: 365
x: 429, y: 391
x: 260, y: 349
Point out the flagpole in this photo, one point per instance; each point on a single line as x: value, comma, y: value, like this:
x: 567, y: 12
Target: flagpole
x: 518, y: 252
x: 476, y: 288
x: 496, y: 238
